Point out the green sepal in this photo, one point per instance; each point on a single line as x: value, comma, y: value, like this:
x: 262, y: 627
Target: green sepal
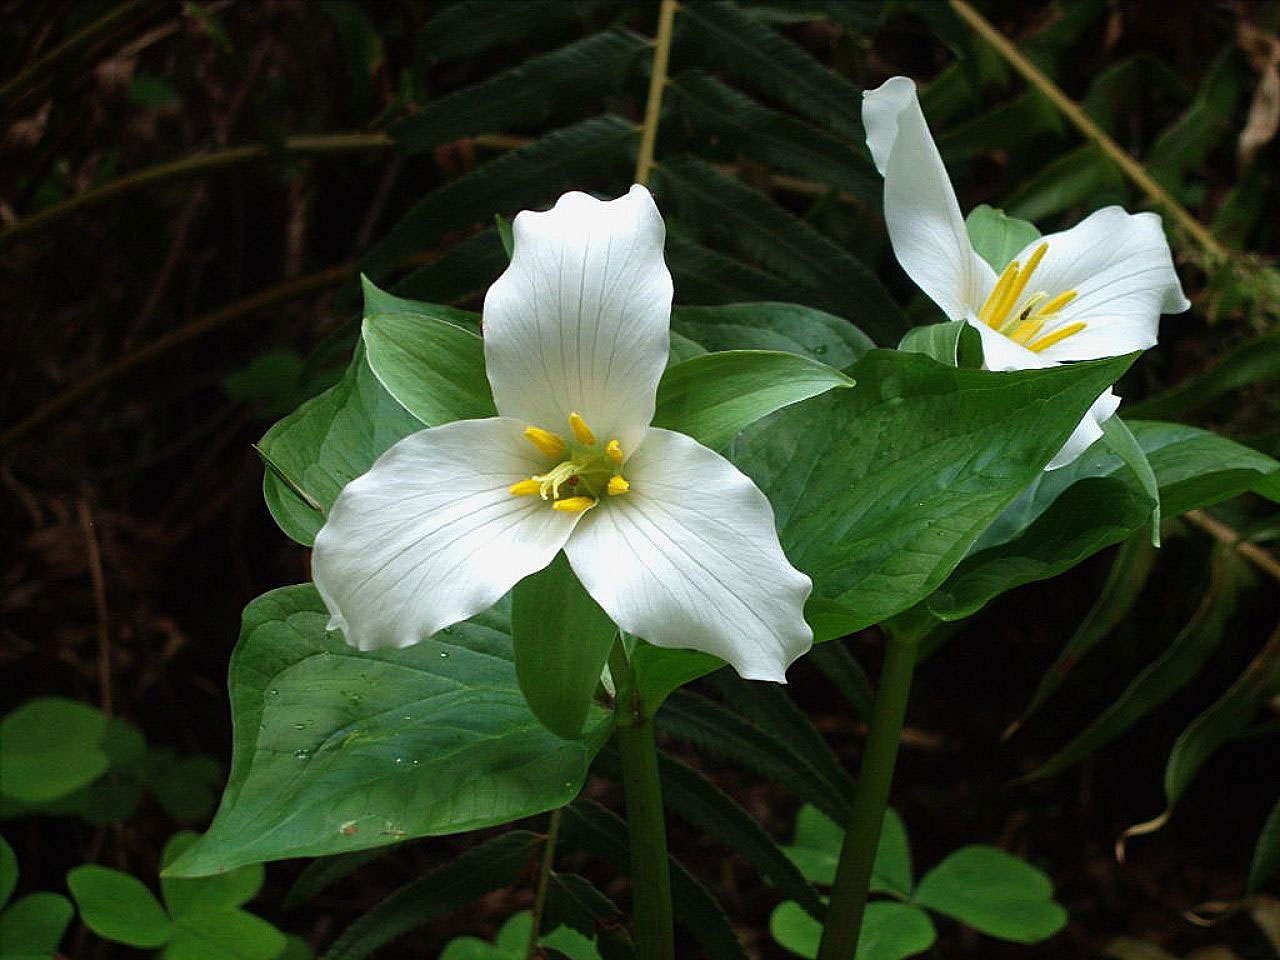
x: 956, y: 343
x: 997, y: 237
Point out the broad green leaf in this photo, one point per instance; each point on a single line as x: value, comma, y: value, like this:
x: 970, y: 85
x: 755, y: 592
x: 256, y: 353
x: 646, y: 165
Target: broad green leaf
x: 1129, y: 573
x: 537, y: 91
x: 119, y: 907
x: 561, y: 640
x: 660, y: 670
x: 1256, y: 361
x: 997, y: 237
x: 714, y: 814
x: 1083, y: 177
x: 495, y: 863
x: 8, y: 871
x: 995, y: 893
x: 432, y: 368
x: 890, y: 931
x: 32, y: 926
x: 760, y: 229
x: 714, y: 396
x: 846, y: 674
x: 1168, y: 673
x: 1121, y: 441
x: 465, y: 29
x: 790, y: 327
x: 518, y: 179
x: 1266, y: 853
x: 590, y: 827
x: 462, y: 272
x: 224, y: 935
x: 185, y: 896
x: 50, y: 747
x: 816, y: 851
x: 955, y: 343
x: 336, y: 749
x: 730, y: 39
x: 185, y: 786
x: 325, y: 444
x: 702, y: 275
x: 720, y: 732
x: 880, y: 490
x: 681, y: 349
x: 739, y: 125
x: 1009, y: 127
x: 1228, y: 716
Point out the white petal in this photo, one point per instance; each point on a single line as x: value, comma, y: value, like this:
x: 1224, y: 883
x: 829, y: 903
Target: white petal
x: 1120, y: 266
x: 920, y: 207
x: 689, y: 558
x: 1088, y: 431
x: 579, y: 321
x: 1001, y: 353
x: 430, y: 535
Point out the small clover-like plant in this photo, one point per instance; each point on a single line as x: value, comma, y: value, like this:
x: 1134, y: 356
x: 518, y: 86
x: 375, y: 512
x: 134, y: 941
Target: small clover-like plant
x: 512, y: 943
x: 32, y: 926
x: 983, y: 887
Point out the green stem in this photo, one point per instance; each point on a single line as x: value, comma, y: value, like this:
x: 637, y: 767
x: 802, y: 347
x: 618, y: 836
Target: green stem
x: 1134, y: 170
x: 544, y: 881
x: 870, y: 796
x: 646, y: 820
x: 661, y: 55
x: 193, y: 165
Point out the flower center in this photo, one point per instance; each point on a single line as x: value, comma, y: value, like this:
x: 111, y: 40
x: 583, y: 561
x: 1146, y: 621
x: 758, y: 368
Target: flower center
x: 583, y: 473
x: 1024, y: 325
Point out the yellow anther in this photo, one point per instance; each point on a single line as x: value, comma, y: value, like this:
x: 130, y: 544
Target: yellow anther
x: 996, y: 296
x: 547, y: 442
x: 1026, y: 330
x: 614, y: 451
x: 1057, y: 336
x: 1057, y: 303
x: 1025, y: 274
x: 581, y: 432
x: 525, y: 487
x: 618, y: 485
x: 574, y: 504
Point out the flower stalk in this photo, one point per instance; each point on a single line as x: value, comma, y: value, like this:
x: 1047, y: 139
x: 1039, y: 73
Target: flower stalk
x: 870, y: 797
x: 657, y: 82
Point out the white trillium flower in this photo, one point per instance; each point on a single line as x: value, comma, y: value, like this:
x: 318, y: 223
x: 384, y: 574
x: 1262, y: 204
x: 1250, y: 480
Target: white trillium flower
x: 670, y: 538
x: 1096, y: 290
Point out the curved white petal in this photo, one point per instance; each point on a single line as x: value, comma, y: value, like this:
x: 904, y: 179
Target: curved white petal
x: 430, y: 535
x: 920, y: 207
x: 1088, y: 430
x: 1121, y: 268
x: 689, y: 558
x: 1001, y: 353
x: 579, y: 320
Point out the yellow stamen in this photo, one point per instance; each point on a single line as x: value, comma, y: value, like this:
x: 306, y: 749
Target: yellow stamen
x: 618, y: 485
x: 1058, y: 302
x: 614, y: 451
x: 581, y: 432
x: 997, y: 293
x: 525, y: 487
x: 1024, y: 275
x: 574, y: 504
x: 550, y: 444
x: 1057, y: 336
x: 1026, y: 330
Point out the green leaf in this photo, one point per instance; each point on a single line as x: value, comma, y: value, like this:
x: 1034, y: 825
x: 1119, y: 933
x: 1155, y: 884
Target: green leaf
x: 465, y: 29
x: 561, y: 639
x: 1009, y: 127
x: 956, y: 343
x: 721, y: 732
x: 336, y: 749
x: 50, y: 747
x: 995, y: 893
x: 151, y: 93
x: 790, y: 327
x: 880, y: 490
x: 890, y: 931
x: 1266, y: 853
x: 432, y: 368
x: 714, y: 396
x: 184, y: 786
x: 1084, y: 177
x: 705, y: 276
x: 325, y: 444
x: 761, y: 229
x: 590, y: 827
x: 659, y: 670
x: 119, y: 907
x: 185, y: 896
x: 532, y: 94
x: 997, y: 237
x: 323, y: 873
x: 506, y: 234
x: 8, y: 871
x: 573, y: 902
x: 731, y: 39
x: 1168, y: 673
x: 497, y: 862
x: 36, y: 923
x: 737, y: 123
x: 1256, y: 361
x: 816, y: 851
x: 845, y: 673
x: 1121, y: 441
x: 224, y: 935
x: 519, y: 179
x: 1129, y: 573
x: 462, y: 272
